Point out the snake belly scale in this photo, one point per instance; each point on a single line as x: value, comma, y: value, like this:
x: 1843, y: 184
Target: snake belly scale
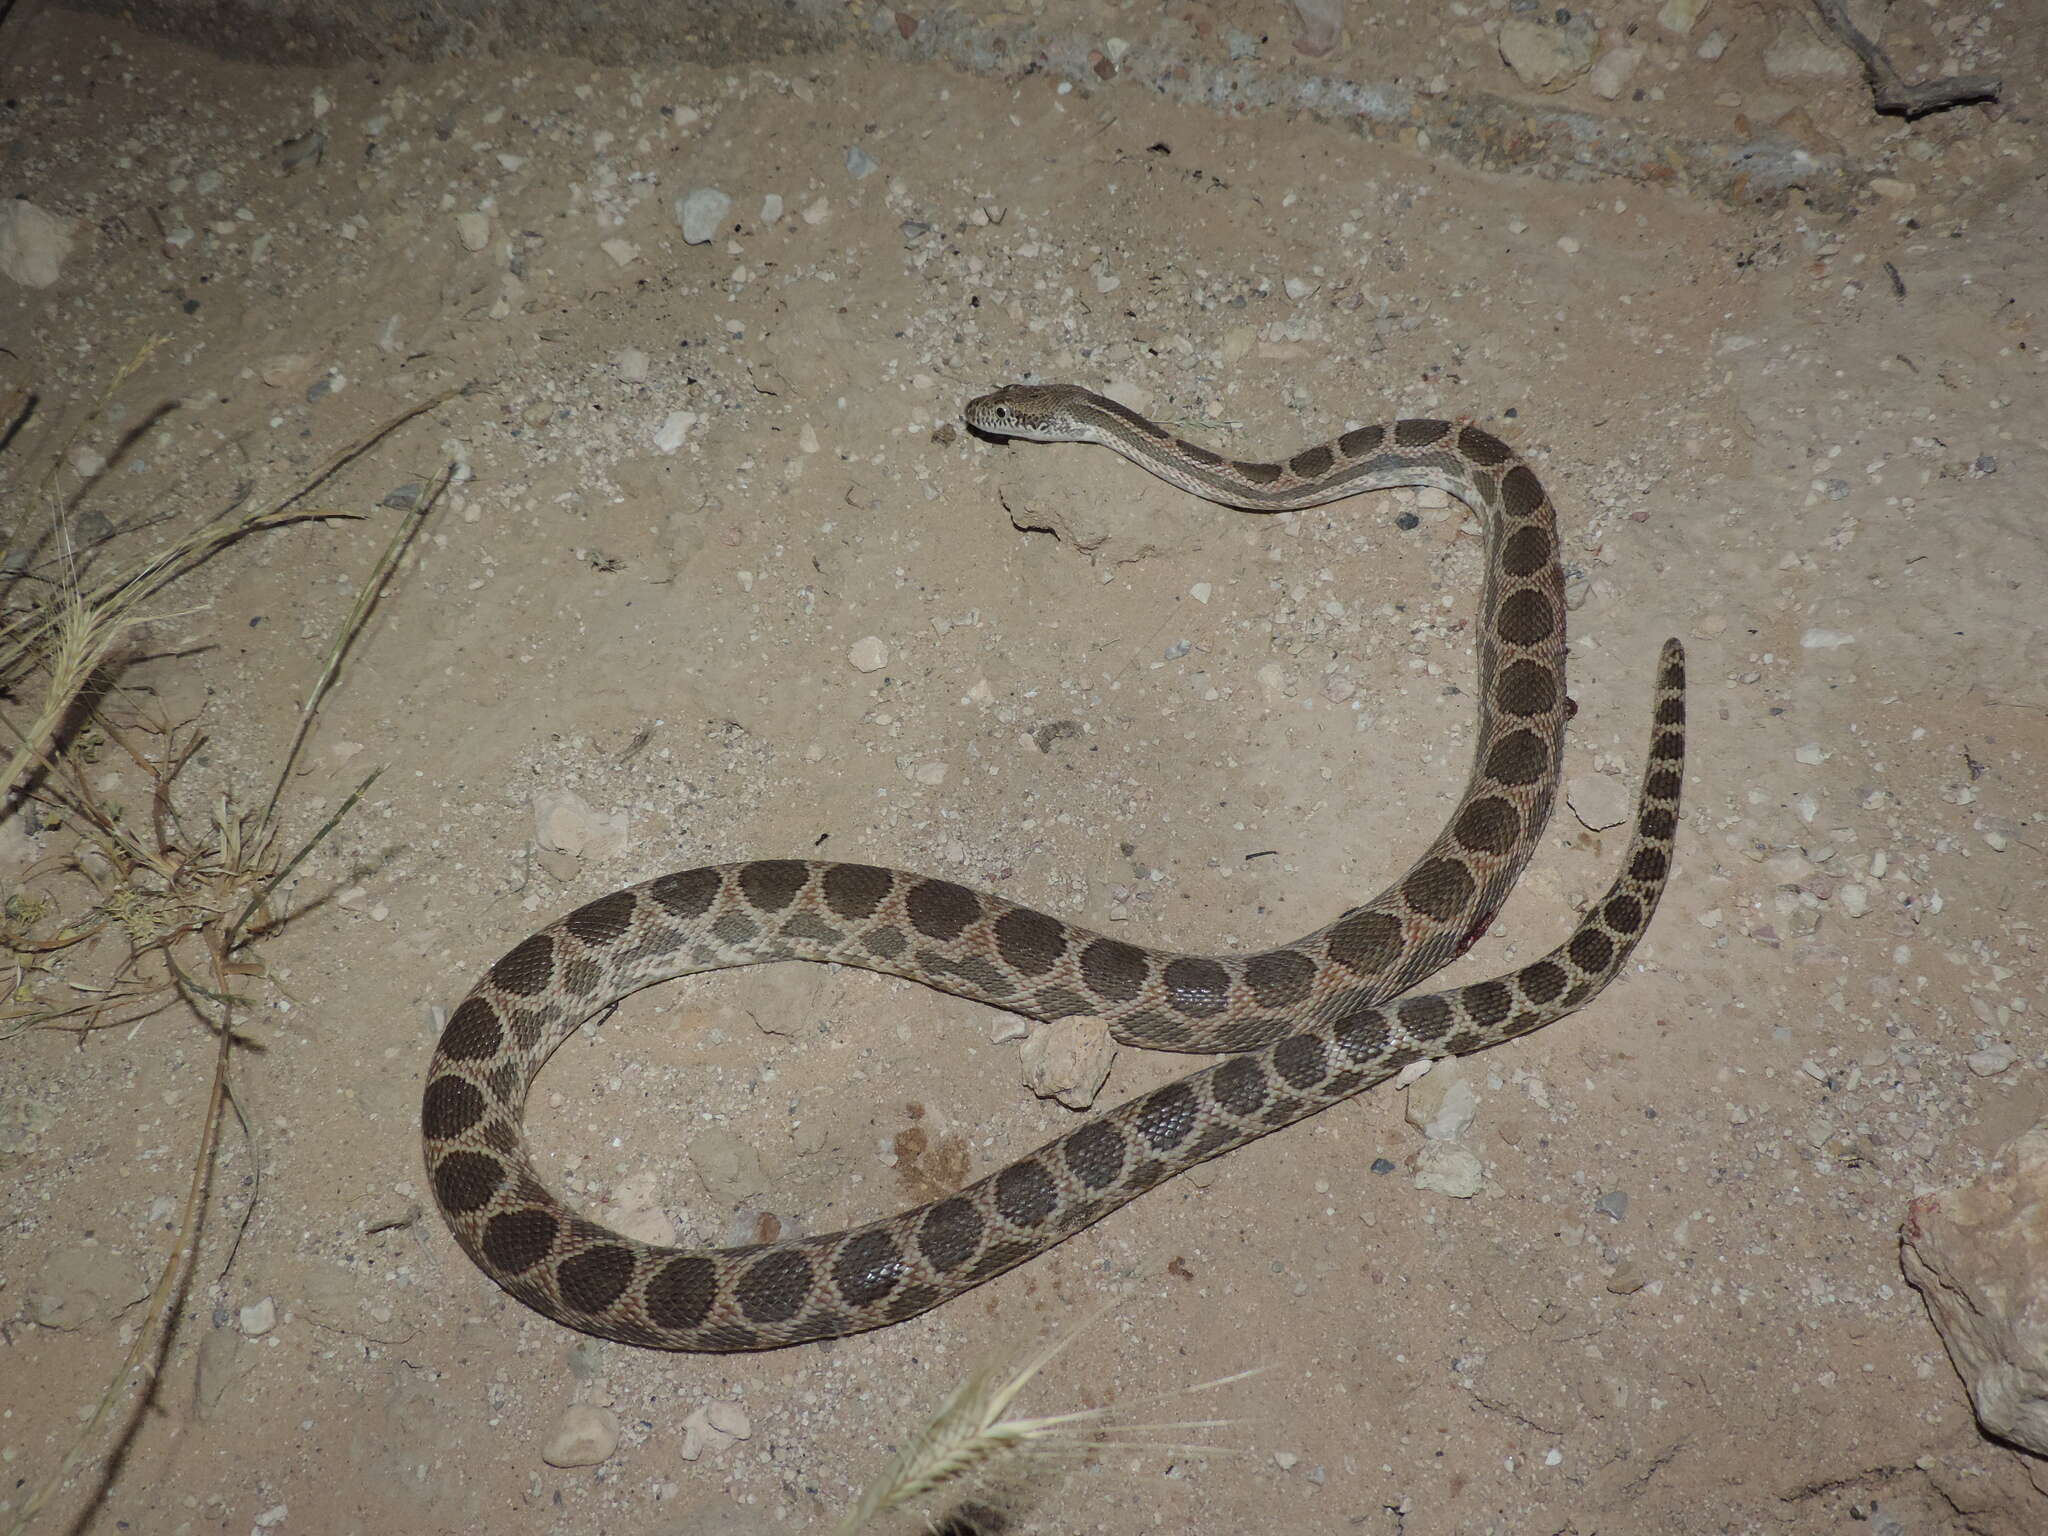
x: 1311, y: 1023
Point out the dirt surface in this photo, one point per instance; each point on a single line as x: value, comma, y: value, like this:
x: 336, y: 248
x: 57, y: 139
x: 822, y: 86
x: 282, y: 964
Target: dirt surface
x: 693, y: 479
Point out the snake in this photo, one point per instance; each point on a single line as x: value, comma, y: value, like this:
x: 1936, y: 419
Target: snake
x: 1300, y: 1027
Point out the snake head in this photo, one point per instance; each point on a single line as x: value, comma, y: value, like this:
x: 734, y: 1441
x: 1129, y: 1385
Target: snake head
x: 1043, y: 413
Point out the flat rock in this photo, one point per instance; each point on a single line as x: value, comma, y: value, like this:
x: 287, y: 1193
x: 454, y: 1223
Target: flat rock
x: 83, y: 1287
x: 1979, y: 1257
x: 729, y: 1167
x: 1599, y: 800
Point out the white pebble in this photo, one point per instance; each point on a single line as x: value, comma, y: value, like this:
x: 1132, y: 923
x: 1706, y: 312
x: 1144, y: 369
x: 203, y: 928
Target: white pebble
x: 1200, y: 591
x: 259, y: 1318
x: 1812, y: 754
x: 1569, y: 244
x: 632, y: 364
x: 473, y: 230
x: 1854, y: 899
x: 33, y: 243
x: 868, y: 655
x: 771, y: 207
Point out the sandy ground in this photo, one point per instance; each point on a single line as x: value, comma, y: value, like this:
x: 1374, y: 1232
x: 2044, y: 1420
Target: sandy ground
x: 694, y: 478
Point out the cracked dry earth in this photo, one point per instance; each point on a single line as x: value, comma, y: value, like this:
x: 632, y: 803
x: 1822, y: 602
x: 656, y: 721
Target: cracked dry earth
x: 721, y: 576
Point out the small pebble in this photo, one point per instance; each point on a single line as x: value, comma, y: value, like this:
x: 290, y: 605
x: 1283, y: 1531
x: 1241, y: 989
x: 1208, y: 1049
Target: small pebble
x: 860, y: 163
x: 1442, y: 1103
x: 1679, y: 15
x: 1992, y: 1060
x: 473, y: 230
x: 258, y: 1318
x: 33, y: 243
x: 584, y: 1437
x: 868, y: 655
x: 730, y: 1419
x: 700, y: 211
x: 1614, y: 1204
x: 674, y: 430
x: 702, y: 1433
x: 1449, y: 1169
x: 1626, y: 1280
x: 1068, y: 1059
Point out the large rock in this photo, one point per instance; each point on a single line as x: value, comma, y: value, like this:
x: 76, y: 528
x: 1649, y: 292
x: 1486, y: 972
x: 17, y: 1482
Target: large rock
x: 1979, y: 1255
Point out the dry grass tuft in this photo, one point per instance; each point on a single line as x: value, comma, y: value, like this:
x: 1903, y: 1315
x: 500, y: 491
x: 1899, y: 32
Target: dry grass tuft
x: 971, y: 1436
x: 187, y: 893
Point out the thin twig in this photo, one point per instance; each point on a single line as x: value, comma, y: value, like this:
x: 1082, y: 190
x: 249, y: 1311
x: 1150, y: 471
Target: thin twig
x: 1894, y: 96
x: 145, y: 1355
x: 237, y: 930
x: 359, y: 615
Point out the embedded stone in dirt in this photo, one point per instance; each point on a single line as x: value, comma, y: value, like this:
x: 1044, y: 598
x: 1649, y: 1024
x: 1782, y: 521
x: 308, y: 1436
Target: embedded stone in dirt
x: 1979, y: 1256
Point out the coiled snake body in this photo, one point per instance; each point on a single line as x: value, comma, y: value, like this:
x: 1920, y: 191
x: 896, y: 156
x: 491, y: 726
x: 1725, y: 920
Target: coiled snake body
x: 1313, y: 1022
